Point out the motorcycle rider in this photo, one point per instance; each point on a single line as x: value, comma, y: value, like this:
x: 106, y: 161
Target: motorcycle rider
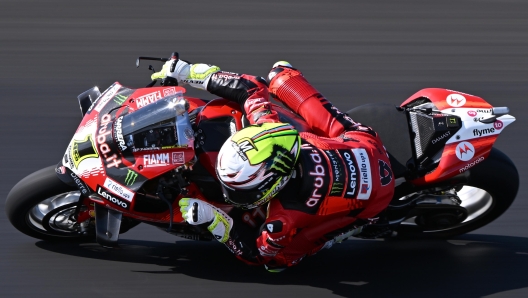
x: 325, y: 184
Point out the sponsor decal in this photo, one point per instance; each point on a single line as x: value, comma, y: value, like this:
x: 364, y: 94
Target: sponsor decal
x: 364, y: 173
x: 268, y: 250
x: 251, y: 217
x: 119, y: 134
x: 232, y: 246
x: 274, y: 226
x: 487, y: 111
x: 273, y: 241
x: 118, y: 189
x: 120, y: 99
x: 353, y: 171
x: 83, y: 149
x: 224, y: 75
x: 240, y: 153
x: 272, y: 193
x: 456, y: 100
x: 103, y: 100
x: 338, y: 169
x: 472, y: 113
x: 464, y: 151
x: 60, y: 170
x: 104, y: 132
x: 109, y: 197
x: 146, y: 149
x: 246, y: 145
x: 242, y: 147
x: 282, y: 162
x: 498, y: 125
x: 471, y: 164
x: 318, y: 173
x: 169, y: 91
x: 434, y: 141
x: 131, y: 177
x: 178, y: 157
x: 485, y: 131
x: 385, y: 172
x: 156, y: 160
x: 148, y: 99
x: 67, y: 158
x: 82, y: 187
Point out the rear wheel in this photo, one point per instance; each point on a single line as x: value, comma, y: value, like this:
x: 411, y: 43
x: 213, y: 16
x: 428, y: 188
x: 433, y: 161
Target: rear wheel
x: 489, y: 191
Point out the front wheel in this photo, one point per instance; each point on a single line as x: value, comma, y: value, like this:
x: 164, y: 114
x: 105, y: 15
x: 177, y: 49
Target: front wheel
x: 43, y: 207
x: 489, y: 191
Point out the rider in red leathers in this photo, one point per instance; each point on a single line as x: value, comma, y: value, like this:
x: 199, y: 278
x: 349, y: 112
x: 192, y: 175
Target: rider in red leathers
x: 330, y: 183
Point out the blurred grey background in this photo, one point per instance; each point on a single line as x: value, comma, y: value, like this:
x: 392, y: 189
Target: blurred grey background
x: 354, y: 52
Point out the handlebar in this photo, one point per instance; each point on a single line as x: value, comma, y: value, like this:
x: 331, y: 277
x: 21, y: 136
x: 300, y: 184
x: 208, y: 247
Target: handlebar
x: 174, y: 56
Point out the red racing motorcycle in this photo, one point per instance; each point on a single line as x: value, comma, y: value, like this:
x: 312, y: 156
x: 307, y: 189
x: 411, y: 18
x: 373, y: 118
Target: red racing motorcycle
x: 136, y: 152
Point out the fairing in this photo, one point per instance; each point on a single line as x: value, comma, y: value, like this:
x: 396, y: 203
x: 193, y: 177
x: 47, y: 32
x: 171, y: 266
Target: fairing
x: 109, y: 151
x: 472, y: 143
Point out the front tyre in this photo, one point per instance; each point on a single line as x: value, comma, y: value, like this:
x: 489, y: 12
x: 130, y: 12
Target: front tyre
x: 487, y: 194
x: 43, y: 207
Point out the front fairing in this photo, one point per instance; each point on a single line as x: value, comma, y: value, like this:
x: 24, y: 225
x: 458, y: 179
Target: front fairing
x: 109, y: 152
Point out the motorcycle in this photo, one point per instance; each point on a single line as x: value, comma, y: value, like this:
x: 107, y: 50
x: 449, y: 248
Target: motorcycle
x: 138, y: 151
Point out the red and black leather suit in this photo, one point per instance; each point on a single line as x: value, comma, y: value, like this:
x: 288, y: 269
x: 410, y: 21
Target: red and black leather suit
x: 343, y: 177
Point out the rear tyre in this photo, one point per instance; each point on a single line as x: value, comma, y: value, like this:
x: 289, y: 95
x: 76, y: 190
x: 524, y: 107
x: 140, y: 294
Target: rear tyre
x: 488, y: 193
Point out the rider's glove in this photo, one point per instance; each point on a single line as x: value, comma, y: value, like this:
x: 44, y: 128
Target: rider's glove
x: 197, y: 212
x: 197, y: 75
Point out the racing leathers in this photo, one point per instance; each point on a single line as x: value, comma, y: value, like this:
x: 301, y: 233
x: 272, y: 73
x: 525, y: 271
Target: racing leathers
x: 341, y: 182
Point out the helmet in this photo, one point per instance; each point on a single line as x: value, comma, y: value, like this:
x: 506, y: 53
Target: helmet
x: 256, y: 162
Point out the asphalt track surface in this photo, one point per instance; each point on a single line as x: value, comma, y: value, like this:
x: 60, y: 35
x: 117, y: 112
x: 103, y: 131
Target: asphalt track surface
x: 353, y: 52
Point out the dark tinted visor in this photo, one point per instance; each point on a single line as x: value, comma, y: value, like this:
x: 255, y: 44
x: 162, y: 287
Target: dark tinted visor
x: 242, y: 198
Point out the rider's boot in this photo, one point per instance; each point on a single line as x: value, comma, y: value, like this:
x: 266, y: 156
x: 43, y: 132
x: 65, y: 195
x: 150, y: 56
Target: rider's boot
x: 288, y: 85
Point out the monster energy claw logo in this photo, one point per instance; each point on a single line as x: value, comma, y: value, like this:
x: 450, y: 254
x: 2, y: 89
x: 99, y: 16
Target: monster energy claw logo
x: 337, y: 187
x: 130, y: 177
x: 120, y: 99
x: 282, y: 162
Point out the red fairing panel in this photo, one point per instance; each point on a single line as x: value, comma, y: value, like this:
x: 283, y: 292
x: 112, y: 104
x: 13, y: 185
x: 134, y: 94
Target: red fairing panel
x: 458, y: 158
x: 445, y: 99
x: 94, y: 154
x: 467, y: 149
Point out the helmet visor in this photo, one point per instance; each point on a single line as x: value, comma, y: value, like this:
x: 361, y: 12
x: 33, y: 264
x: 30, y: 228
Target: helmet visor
x: 249, y: 199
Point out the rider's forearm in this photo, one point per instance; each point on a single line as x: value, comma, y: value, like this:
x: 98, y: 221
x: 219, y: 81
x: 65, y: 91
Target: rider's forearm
x: 250, y: 92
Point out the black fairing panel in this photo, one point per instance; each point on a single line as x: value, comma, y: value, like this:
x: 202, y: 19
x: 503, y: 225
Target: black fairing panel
x: 392, y: 127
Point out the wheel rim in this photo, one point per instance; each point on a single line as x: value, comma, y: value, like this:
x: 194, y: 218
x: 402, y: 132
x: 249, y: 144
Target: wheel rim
x: 476, y: 201
x: 54, y: 215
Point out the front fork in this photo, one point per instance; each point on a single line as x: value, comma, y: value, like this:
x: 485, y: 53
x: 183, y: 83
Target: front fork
x: 107, y: 221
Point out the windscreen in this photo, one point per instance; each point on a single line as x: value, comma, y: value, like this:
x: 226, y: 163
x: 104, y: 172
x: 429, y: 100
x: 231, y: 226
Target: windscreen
x: 157, y: 125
